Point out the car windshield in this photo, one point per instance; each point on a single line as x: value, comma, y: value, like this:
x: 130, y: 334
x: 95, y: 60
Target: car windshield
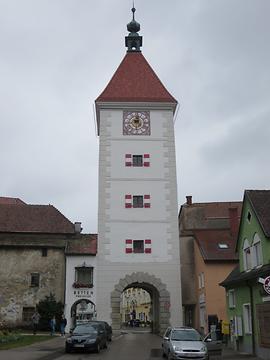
x: 84, y: 329
x: 185, y: 335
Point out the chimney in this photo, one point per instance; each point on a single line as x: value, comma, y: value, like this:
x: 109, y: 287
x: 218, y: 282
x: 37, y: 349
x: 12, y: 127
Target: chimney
x: 78, y: 227
x: 234, y: 223
x: 189, y: 200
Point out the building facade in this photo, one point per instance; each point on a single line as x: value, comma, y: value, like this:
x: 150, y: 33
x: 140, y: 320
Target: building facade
x: 137, y: 218
x: 32, y: 257
x: 208, y: 233
x: 247, y: 286
x: 81, y: 273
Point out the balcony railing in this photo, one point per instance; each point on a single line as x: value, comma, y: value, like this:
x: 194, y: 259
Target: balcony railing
x: 78, y: 285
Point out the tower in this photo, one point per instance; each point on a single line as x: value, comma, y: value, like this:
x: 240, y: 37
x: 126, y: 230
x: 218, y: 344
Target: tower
x: 138, y: 241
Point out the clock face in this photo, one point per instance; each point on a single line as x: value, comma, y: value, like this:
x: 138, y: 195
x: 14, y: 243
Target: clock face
x: 136, y: 123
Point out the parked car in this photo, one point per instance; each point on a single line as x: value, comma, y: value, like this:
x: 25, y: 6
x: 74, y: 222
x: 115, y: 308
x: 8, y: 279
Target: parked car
x: 87, y: 337
x: 186, y: 342
x: 107, y: 328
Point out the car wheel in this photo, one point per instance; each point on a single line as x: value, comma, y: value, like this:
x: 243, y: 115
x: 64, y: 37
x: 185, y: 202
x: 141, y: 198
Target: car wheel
x: 163, y: 354
x: 98, y: 348
x: 67, y: 349
x: 170, y: 356
x: 105, y: 345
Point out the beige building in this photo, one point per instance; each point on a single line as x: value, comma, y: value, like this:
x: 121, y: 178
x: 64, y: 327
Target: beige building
x: 135, y: 303
x: 207, y: 246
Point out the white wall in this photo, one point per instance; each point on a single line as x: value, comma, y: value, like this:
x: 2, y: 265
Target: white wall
x: 117, y: 223
x: 72, y: 295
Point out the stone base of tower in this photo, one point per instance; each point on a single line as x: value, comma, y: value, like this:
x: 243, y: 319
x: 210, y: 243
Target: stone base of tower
x: 162, y: 281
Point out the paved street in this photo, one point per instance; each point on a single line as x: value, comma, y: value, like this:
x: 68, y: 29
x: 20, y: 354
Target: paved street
x: 129, y: 346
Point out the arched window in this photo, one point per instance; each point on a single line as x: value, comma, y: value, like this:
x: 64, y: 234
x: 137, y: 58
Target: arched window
x: 246, y: 255
x: 257, y: 250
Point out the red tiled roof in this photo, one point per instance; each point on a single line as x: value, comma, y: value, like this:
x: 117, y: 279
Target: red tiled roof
x: 33, y: 218
x: 85, y: 245
x: 135, y: 81
x: 260, y: 201
x: 208, y: 241
x: 9, y: 200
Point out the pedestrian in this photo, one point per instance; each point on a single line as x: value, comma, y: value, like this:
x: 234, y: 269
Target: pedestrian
x: 52, y: 324
x: 63, y: 324
x: 35, y: 321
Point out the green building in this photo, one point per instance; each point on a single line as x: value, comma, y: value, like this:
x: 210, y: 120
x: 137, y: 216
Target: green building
x: 248, y: 285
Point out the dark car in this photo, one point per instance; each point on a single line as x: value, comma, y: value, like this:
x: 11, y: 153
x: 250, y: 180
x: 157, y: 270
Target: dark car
x: 87, y: 337
x: 107, y: 328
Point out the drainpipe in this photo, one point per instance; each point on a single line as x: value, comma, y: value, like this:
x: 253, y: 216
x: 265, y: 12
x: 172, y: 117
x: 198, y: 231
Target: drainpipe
x: 252, y: 317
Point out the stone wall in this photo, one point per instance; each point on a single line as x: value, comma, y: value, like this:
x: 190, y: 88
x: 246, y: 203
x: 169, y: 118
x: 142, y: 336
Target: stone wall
x: 17, y: 263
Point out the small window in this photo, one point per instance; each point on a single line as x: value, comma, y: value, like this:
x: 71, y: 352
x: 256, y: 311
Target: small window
x: 138, y: 246
x: 246, y: 255
x: 202, y: 279
x: 231, y: 298
x: 35, y: 279
x: 223, y: 246
x: 249, y: 216
x: 257, y: 251
x: 247, y: 318
x: 137, y: 160
x: 27, y: 314
x: 44, y: 252
x: 138, y: 201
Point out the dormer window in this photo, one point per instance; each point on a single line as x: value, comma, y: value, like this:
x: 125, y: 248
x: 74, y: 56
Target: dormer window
x: 223, y: 246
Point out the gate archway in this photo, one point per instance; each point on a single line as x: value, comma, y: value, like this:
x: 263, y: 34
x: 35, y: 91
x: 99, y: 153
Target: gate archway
x: 159, y: 295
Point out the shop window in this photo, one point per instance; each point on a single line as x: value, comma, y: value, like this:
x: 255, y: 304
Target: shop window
x: 84, y: 276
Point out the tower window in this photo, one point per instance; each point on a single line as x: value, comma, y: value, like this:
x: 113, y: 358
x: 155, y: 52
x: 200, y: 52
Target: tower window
x: 138, y: 246
x: 138, y: 201
x: 137, y: 160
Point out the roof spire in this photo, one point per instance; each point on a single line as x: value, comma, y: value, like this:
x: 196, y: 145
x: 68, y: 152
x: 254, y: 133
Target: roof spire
x: 133, y: 40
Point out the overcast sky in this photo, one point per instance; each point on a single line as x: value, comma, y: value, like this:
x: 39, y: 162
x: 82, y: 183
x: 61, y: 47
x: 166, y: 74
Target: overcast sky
x: 56, y: 56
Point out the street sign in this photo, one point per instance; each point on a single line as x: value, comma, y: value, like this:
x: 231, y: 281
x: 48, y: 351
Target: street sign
x: 266, y: 284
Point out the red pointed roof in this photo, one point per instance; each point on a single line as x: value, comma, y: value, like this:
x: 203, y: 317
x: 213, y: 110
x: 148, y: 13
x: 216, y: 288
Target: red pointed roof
x: 135, y: 81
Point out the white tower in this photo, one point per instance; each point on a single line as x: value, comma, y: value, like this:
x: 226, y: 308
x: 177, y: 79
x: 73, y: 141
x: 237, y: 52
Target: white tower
x: 138, y: 241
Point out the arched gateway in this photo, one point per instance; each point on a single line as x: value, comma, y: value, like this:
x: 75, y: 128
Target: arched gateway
x: 138, y: 238
x: 159, y: 295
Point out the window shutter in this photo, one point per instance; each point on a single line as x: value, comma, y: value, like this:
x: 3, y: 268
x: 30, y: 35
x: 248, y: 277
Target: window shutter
x: 147, y: 246
x: 128, y: 201
x: 146, y: 158
x: 128, y: 246
x: 147, y: 201
x: 128, y: 159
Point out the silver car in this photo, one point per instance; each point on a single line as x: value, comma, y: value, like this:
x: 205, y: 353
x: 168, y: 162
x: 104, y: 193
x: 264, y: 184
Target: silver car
x: 183, y: 343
